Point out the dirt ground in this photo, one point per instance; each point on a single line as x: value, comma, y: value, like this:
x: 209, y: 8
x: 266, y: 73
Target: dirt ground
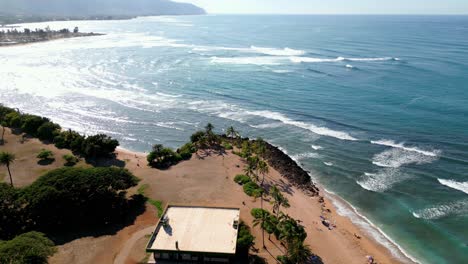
x: 206, y: 179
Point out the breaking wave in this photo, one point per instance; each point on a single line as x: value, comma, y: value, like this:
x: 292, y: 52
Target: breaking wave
x: 461, y: 186
x: 395, y: 158
x: 303, y: 156
x: 316, y: 147
x: 324, y: 131
x: 393, y: 144
x: 443, y: 210
x: 383, y: 180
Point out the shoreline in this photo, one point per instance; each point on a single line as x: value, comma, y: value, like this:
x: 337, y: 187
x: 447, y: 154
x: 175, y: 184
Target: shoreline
x: 337, y: 204
x: 73, y: 35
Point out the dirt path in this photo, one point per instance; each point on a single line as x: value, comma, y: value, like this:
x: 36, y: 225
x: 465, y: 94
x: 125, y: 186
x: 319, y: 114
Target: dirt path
x: 127, y: 248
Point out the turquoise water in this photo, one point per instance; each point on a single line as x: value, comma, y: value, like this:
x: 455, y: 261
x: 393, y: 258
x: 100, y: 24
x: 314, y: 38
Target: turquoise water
x: 376, y: 107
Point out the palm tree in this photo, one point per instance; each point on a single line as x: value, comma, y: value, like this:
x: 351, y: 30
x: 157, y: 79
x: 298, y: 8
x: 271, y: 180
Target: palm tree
x: 298, y: 252
x: 249, y: 170
x: 6, y: 159
x: 261, y: 220
x: 231, y: 132
x: 262, y: 168
x: 209, y: 128
x: 279, y: 200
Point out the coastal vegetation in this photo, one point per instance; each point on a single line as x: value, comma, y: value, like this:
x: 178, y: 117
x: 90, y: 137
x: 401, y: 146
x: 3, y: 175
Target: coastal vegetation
x: 95, y: 146
x: 31, y: 247
x: 70, y: 160
x: 14, y: 37
x: 6, y: 159
x: 45, y: 155
x: 67, y: 199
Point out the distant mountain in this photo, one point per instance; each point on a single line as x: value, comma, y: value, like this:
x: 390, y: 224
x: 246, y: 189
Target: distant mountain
x: 96, y: 8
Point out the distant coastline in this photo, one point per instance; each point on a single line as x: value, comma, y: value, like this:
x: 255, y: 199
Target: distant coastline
x: 12, y: 37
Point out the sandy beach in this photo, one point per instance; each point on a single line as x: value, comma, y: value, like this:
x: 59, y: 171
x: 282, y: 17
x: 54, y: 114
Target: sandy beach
x: 205, y: 179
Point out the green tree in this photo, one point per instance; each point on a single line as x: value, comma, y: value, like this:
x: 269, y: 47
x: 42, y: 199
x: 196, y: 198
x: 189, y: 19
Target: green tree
x: 209, y: 128
x: 261, y: 217
x: 11, y: 212
x: 278, y: 200
x: 6, y: 159
x: 31, y: 247
x: 162, y: 157
x: 71, y: 198
x: 298, y: 252
x: 244, y: 239
x: 48, y: 131
x: 99, y: 146
x: 290, y: 230
x: 231, y: 132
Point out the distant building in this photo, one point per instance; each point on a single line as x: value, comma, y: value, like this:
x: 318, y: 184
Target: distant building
x: 192, y: 234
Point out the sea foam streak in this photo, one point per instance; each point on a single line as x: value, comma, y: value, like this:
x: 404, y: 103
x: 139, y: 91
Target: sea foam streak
x: 461, y: 186
x: 324, y: 131
x: 383, y: 180
x: 302, y: 156
x: 395, y: 157
x: 316, y: 147
x: 443, y: 210
x: 391, y: 143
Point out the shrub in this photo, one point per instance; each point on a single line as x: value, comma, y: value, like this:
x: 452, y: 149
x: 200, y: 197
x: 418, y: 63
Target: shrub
x: 252, y: 189
x: 186, y: 151
x: 227, y: 146
x: 45, y: 155
x: 98, y: 146
x: 32, y: 247
x: 48, y: 131
x: 70, y: 159
x: 31, y: 123
x: 13, y: 119
x: 162, y: 157
x: 242, y: 179
x: 244, y: 239
x: 12, y: 218
x: 197, y: 136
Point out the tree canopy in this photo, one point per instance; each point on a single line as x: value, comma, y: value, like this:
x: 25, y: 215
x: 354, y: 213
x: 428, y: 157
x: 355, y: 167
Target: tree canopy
x: 31, y: 247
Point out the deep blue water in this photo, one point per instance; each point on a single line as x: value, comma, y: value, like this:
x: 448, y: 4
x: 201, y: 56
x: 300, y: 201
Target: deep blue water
x: 376, y: 107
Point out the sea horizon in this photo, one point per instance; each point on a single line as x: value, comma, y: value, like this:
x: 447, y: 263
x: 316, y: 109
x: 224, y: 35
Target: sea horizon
x: 377, y: 122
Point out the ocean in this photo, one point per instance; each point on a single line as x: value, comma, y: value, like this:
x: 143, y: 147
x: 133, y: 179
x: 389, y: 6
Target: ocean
x: 376, y: 107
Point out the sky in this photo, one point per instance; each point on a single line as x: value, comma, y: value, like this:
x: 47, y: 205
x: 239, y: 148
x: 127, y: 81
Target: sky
x: 332, y: 6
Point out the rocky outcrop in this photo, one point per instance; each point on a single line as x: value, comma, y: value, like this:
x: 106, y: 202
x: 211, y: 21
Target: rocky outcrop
x: 290, y: 170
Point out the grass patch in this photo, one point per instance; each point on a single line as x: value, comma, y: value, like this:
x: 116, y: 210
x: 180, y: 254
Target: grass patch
x: 142, y: 189
x: 158, y: 205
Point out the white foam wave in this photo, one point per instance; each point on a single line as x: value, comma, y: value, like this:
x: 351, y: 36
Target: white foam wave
x: 282, y: 71
x: 270, y: 125
x: 383, y: 180
x: 349, y: 66
x: 461, y: 186
x: 391, y: 143
x: 370, y: 59
x: 328, y: 163
x: 324, y: 131
x: 260, y: 60
x: 395, y: 157
x: 279, y: 60
x: 316, y: 147
x: 278, y: 52
x: 443, y: 210
x: 345, y: 209
x: 303, y: 156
